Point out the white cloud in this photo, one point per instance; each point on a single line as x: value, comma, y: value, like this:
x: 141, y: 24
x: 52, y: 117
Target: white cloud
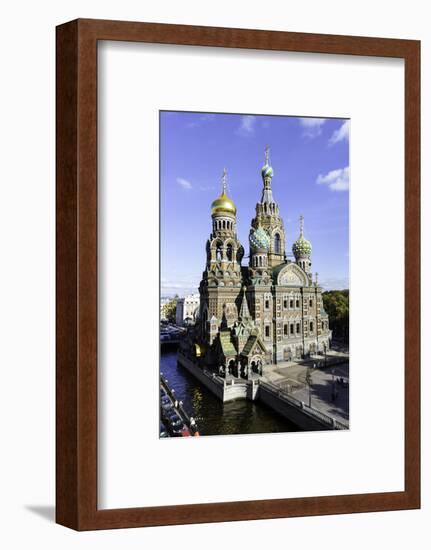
x: 312, y: 127
x: 201, y: 120
x: 336, y: 180
x: 185, y: 184
x: 342, y: 133
x: 246, y: 127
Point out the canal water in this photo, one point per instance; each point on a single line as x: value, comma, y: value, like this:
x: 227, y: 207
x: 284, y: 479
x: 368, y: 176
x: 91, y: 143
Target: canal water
x: 214, y: 417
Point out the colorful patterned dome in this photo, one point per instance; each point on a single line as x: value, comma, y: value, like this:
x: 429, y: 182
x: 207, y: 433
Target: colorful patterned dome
x: 302, y: 248
x: 259, y: 239
x: 267, y: 171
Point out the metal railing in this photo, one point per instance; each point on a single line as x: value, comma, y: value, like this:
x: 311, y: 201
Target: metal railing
x: 293, y: 401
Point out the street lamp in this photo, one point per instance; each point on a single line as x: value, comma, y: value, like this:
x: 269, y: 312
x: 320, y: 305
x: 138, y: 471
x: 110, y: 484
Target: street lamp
x: 309, y: 380
x: 334, y: 389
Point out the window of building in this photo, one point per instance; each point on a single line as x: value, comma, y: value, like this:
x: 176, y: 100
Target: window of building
x: 229, y: 252
x: 267, y: 331
x: 297, y: 303
x: 291, y: 329
x: 285, y: 303
x: 285, y: 330
x: 218, y: 252
x: 298, y: 328
x: 291, y: 304
x: 311, y: 302
x: 277, y: 244
x: 311, y: 326
x: 266, y: 304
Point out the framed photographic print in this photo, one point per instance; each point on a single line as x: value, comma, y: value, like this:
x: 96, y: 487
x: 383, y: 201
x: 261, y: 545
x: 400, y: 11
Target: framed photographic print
x: 238, y: 274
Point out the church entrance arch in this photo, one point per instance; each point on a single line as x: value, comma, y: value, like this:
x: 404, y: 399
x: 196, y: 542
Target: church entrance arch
x: 287, y: 354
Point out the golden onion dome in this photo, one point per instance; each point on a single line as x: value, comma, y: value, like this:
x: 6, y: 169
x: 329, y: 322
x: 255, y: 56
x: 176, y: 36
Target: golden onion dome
x: 223, y: 205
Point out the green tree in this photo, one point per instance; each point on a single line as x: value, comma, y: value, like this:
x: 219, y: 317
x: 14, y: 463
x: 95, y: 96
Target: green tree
x: 336, y: 304
x: 170, y: 308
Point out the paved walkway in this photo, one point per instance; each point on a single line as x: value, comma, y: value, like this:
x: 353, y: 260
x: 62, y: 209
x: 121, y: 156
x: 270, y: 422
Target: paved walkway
x: 327, y: 395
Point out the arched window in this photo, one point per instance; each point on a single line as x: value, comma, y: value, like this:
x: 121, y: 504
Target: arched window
x: 218, y: 252
x: 260, y: 261
x: 229, y: 253
x: 277, y: 244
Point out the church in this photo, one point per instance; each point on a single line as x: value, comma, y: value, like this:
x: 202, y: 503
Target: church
x: 262, y: 313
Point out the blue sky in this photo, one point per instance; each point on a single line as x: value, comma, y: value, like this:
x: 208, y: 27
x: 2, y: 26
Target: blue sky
x: 310, y: 158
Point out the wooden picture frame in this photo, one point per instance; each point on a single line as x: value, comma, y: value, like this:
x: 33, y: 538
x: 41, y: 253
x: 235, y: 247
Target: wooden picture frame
x: 76, y: 374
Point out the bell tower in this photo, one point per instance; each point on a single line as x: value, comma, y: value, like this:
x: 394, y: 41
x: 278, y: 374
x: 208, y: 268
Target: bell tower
x: 268, y: 217
x: 301, y: 249
x: 221, y: 280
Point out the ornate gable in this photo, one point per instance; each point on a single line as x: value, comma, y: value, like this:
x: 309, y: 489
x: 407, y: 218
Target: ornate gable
x: 253, y: 345
x: 292, y: 275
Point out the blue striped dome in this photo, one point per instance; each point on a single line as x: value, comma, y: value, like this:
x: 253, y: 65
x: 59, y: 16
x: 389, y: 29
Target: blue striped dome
x: 259, y: 239
x: 267, y: 171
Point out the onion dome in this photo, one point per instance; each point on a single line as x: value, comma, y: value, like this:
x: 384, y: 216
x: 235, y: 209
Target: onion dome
x: 301, y: 247
x: 223, y: 204
x: 267, y: 171
x: 259, y: 239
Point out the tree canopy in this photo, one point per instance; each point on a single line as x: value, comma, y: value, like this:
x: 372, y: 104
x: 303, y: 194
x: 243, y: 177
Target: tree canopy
x: 336, y: 304
x: 170, y: 308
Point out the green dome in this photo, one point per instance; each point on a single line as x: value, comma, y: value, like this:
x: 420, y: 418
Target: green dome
x: 259, y: 239
x: 302, y: 248
x: 267, y: 171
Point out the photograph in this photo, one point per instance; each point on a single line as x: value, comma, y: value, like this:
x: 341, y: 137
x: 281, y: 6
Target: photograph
x: 254, y: 274
x: 198, y: 205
